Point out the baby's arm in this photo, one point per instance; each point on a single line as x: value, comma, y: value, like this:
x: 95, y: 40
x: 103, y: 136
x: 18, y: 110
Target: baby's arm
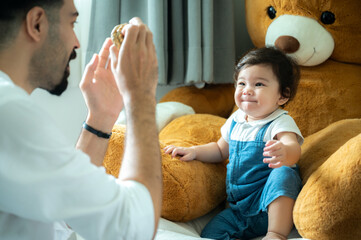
x: 211, y: 153
x: 285, y: 151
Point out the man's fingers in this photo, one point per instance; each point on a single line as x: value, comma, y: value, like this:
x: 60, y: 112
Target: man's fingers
x: 130, y: 36
x: 89, y: 70
x: 142, y: 34
x: 136, y: 21
x: 149, y: 40
x: 109, y: 64
x: 114, y: 52
x: 145, y: 35
x: 104, y: 53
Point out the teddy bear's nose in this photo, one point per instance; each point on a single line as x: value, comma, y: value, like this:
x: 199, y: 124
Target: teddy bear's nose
x: 288, y: 44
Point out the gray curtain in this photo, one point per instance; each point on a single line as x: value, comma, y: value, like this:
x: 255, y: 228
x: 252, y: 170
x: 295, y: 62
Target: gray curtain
x: 197, y: 41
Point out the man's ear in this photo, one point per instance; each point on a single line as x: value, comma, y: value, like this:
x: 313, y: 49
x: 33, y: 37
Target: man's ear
x: 36, y: 24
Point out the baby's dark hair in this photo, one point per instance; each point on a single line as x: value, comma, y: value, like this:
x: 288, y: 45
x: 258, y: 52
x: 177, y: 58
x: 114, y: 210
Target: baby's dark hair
x: 284, y: 67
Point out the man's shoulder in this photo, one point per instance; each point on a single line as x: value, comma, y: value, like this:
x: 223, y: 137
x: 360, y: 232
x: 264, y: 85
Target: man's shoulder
x: 9, y: 92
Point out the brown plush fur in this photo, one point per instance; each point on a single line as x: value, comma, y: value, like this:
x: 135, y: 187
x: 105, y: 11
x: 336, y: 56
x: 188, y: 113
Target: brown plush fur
x: 345, y: 31
x: 327, y: 93
x: 318, y: 147
x: 212, y: 99
x: 191, y: 189
x: 328, y: 206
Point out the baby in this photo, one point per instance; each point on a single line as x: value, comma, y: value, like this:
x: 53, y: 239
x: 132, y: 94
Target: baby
x: 262, y: 143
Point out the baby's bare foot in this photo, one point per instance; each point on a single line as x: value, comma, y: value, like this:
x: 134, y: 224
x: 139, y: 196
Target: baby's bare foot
x: 274, y: 236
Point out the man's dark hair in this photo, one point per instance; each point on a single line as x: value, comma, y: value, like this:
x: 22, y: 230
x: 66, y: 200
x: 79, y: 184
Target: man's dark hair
x: 284, y: 67
x: 13, y: 12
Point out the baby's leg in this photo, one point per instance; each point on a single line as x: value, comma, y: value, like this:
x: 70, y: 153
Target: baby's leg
x: 280, y: 222
x: 227, y: 226
x: 222, y: 226
x: 278, y: 197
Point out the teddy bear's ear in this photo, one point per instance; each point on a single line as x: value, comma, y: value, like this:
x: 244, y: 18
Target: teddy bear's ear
x: 345, y: 30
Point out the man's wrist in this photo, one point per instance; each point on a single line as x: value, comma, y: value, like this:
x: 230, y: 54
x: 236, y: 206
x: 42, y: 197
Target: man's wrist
x: 135, y: 99
x: 96, y: 132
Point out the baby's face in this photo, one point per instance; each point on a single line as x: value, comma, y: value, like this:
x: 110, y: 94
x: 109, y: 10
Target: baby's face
x: 257, y: 91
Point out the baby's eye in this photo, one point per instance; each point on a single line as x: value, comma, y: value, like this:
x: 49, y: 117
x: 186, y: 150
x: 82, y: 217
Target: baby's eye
x: 241, y: 84
x: 259, y: 84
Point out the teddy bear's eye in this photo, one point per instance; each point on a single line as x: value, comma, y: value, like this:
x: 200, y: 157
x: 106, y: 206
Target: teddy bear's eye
x: 271, y: 11
x: 327, y: 17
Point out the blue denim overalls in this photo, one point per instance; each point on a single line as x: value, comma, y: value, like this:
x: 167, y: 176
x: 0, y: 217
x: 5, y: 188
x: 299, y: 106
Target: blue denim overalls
x: 251, y: 186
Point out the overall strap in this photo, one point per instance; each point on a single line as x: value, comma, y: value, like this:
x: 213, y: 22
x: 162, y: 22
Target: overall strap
x: 262, y: 131
x: 231, y: 128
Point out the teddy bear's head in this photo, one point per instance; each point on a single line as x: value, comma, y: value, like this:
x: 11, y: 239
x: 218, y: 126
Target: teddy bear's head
x: 312, y: 31
x: 323, y: 36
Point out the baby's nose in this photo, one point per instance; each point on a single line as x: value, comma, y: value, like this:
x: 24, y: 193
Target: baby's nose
x: 247, y: 91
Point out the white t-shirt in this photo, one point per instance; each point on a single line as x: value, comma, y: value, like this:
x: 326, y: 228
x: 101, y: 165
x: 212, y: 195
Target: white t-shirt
x: 44, y: 181
x: 247, y: 131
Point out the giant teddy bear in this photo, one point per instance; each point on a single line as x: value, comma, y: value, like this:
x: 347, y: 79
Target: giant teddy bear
x: 324, y: 38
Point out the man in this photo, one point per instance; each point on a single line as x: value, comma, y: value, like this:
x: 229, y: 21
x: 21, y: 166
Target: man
x: 44, y: 180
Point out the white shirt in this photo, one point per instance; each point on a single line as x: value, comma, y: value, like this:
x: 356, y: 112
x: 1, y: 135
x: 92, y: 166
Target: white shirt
x: 247, y: 131
x: 44, y: 180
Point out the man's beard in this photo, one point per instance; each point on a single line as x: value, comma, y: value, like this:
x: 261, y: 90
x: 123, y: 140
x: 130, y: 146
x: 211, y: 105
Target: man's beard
x: 61, y: 87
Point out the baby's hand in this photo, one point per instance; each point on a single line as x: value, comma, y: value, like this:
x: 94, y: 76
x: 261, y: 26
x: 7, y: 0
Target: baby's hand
x: 275, y: 152
x: 187, y: 154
